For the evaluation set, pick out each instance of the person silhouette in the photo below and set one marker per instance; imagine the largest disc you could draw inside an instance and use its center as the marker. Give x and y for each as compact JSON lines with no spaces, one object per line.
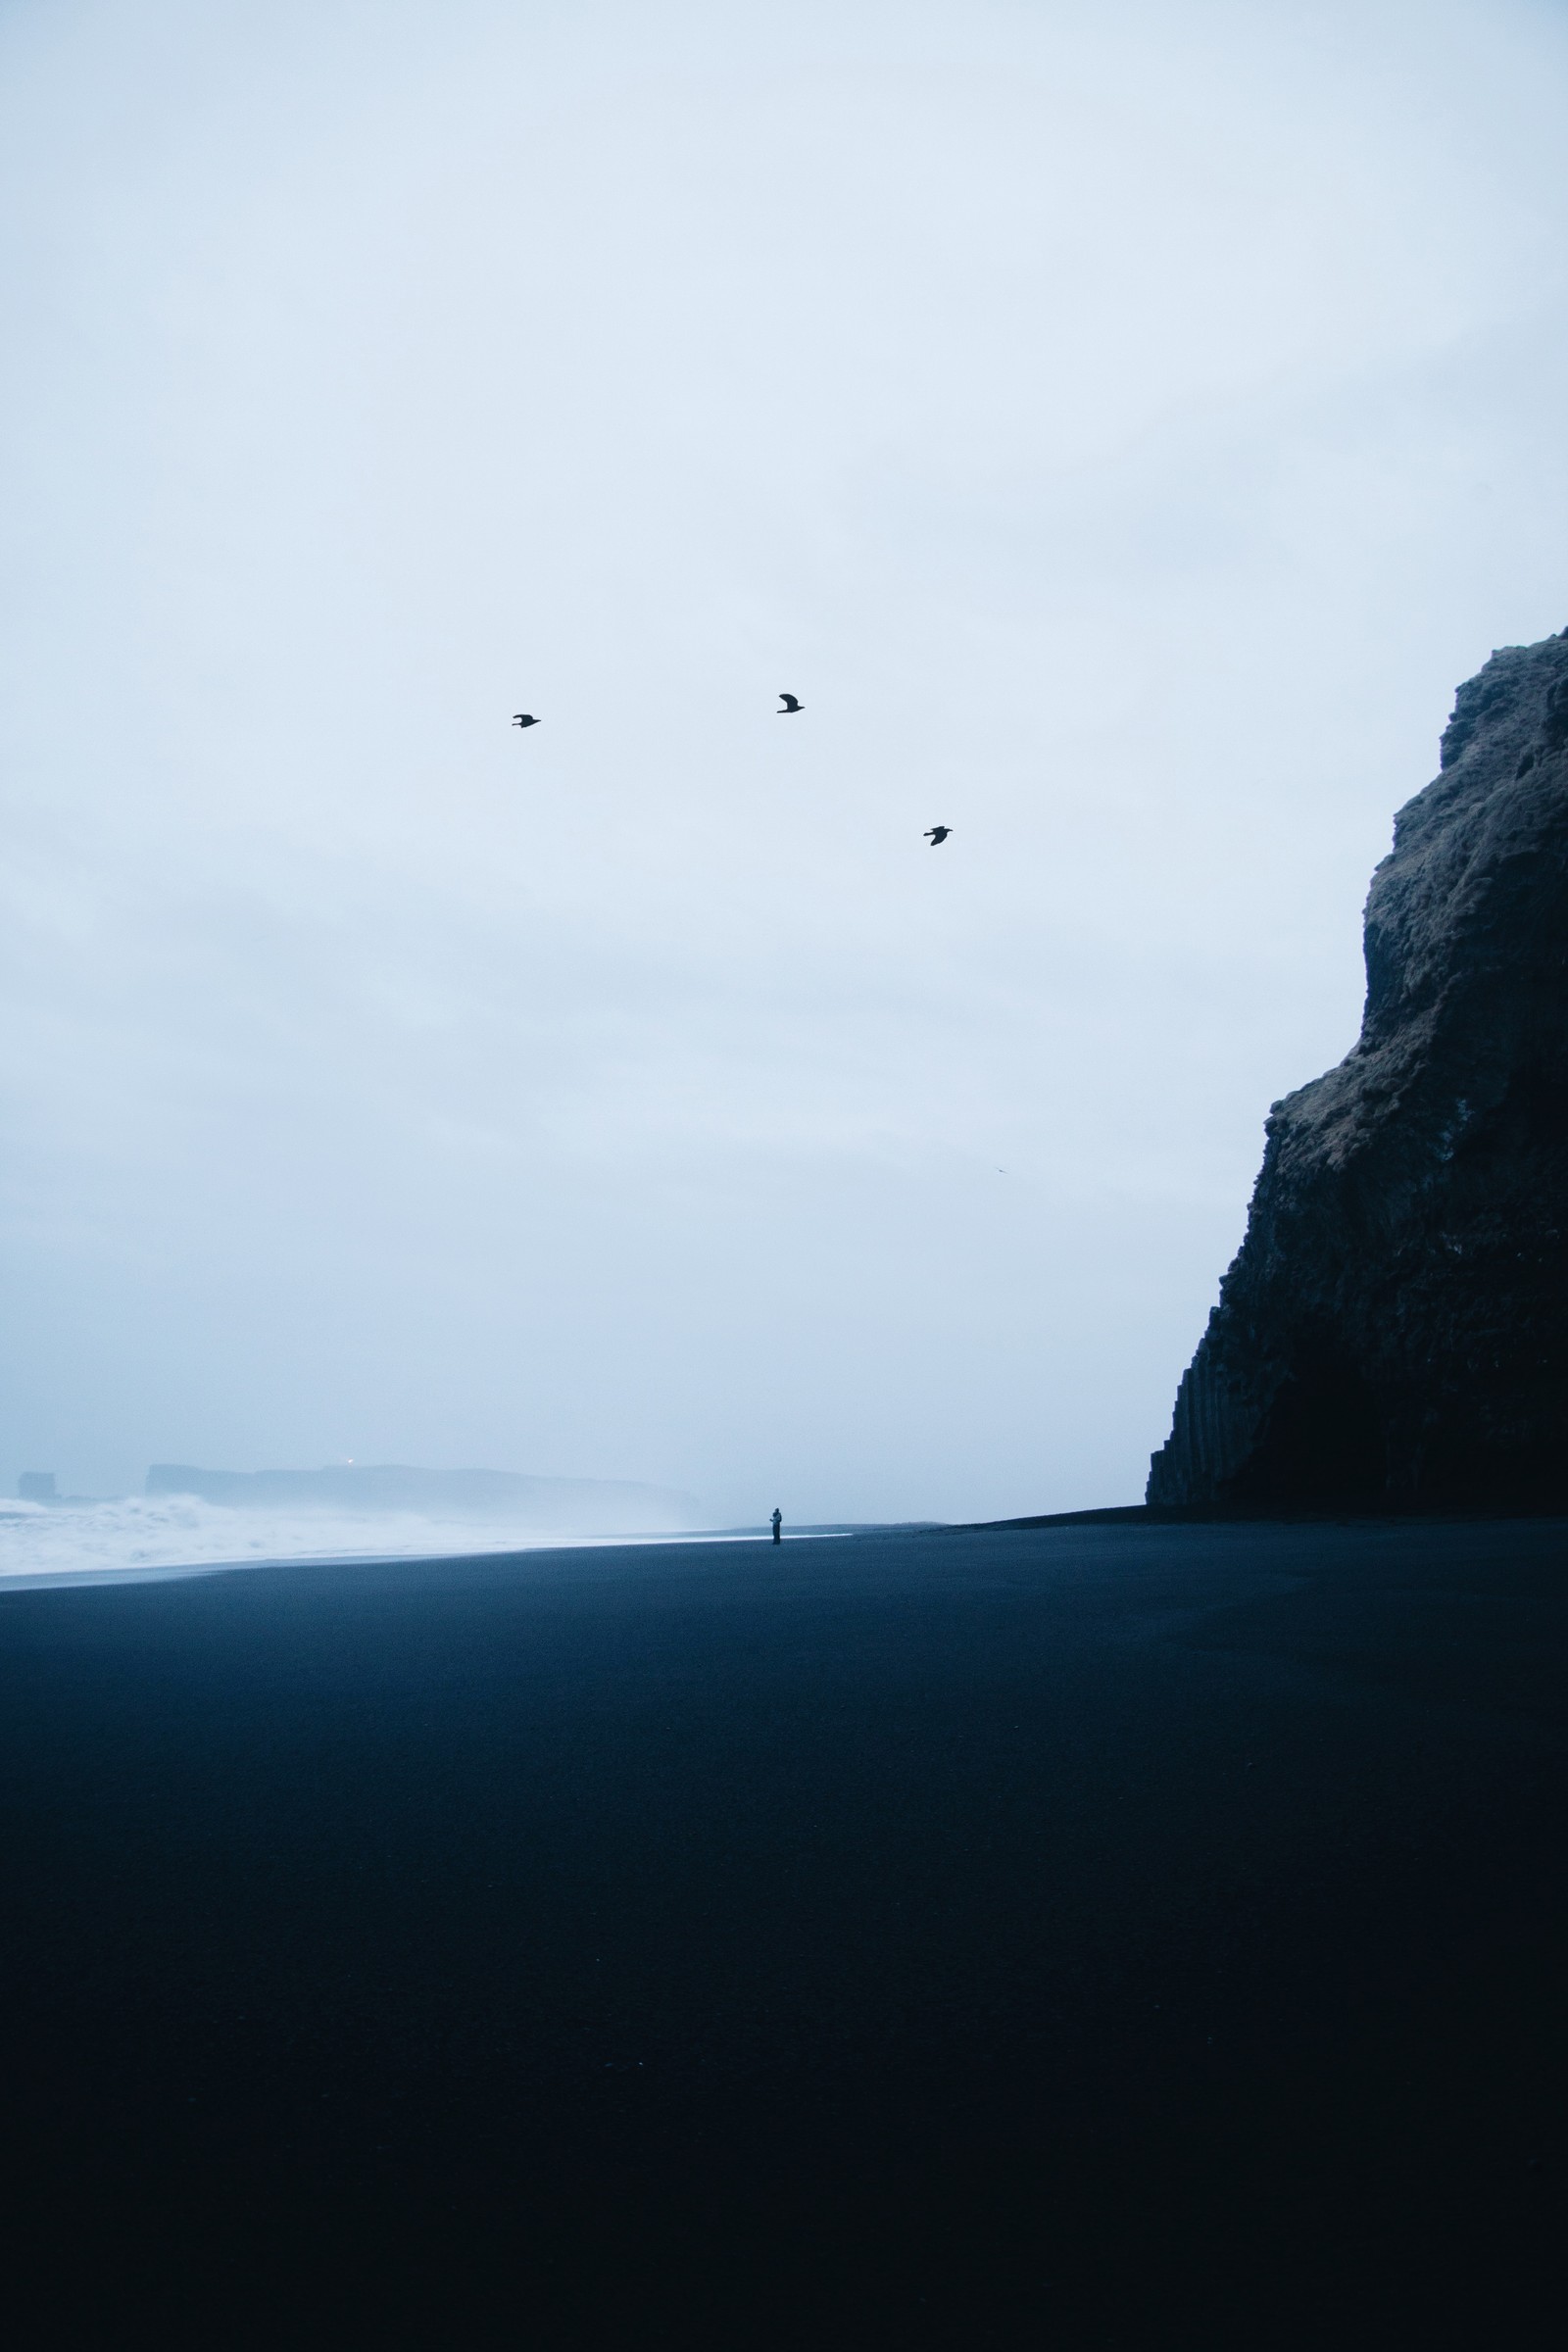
{"x":778,"y":1523}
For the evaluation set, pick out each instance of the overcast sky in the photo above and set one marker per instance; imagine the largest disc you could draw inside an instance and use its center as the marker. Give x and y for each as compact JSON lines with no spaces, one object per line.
{"x":1121,"y":426}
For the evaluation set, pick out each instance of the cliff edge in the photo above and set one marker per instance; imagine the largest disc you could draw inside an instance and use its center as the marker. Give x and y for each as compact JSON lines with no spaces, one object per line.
{"x":1393,"y":1331}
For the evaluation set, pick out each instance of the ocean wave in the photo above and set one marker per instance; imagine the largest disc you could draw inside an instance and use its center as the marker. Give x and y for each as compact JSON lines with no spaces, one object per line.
{"x":147,"y":1534}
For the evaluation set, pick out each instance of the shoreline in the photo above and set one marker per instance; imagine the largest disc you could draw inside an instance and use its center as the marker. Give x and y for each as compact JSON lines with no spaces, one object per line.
{"x":556,"y":1544}
{"x":548,"y":1544}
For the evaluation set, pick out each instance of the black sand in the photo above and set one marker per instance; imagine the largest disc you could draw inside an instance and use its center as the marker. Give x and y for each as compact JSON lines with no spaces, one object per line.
{"x":1098,"y":1935}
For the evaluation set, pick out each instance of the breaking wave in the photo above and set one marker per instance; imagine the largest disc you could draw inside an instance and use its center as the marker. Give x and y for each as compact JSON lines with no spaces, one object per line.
{"x":154,"y":1532}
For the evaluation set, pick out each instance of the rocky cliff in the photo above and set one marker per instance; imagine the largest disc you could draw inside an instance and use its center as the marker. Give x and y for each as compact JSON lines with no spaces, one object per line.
{"x":1393,"y":1331}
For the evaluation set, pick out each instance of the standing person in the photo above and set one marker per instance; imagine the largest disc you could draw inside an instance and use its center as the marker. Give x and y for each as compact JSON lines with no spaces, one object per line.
{"x":778,"y":1522}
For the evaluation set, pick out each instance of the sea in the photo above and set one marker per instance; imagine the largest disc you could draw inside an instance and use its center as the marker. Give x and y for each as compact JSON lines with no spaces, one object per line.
{"x":151,"y":1535}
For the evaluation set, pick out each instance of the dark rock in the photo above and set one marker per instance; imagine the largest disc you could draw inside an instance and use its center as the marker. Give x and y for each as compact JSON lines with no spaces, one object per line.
{"x":1393,"y":1329}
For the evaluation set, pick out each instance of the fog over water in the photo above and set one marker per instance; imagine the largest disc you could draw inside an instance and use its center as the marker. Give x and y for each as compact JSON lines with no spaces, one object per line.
{"x":1121,"y":426}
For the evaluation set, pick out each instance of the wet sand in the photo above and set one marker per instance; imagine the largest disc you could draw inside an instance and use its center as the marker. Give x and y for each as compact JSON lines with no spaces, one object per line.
{"x":1106,"y":1936}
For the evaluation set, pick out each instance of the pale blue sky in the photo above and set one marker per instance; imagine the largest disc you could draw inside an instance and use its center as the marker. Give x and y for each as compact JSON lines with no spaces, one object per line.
{"x":1122,"y":427}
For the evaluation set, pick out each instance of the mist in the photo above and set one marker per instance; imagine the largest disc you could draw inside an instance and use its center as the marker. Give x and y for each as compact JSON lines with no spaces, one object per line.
{"x":1122,"y":427}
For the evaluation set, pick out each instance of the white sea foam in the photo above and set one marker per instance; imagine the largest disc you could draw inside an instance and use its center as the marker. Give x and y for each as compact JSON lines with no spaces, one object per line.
{"x":146,"y":1534}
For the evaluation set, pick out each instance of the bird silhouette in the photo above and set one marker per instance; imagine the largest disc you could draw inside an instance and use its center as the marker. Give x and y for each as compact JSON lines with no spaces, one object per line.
{"x":937,"y":835}
{"x":790,"y":704}
{"x":525,"y":719}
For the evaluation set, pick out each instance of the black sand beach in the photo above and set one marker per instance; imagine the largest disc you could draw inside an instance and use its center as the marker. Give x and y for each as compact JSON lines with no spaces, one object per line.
{"x":1106,"y":1936}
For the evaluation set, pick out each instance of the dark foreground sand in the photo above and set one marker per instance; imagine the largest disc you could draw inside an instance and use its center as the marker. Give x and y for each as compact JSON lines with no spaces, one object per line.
{"x":1100,"y":1936}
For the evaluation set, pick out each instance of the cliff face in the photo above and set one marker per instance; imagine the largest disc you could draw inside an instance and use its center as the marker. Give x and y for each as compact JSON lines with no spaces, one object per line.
{"x":1393,"y":1329}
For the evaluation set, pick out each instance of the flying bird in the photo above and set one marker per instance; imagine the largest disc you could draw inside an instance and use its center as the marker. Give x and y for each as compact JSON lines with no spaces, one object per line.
{"x":788,"y":701}
{"x":525,"y":719}
{"x":937,"y":835}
